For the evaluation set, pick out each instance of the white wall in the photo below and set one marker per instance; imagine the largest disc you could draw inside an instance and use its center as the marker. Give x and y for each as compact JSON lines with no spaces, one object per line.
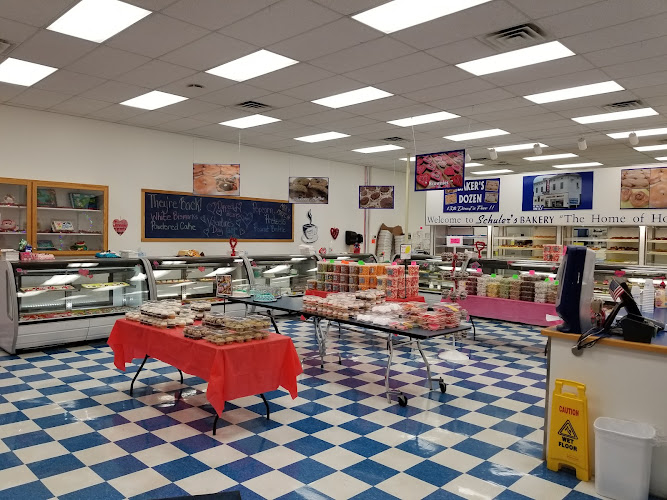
{"x":48,"y":146}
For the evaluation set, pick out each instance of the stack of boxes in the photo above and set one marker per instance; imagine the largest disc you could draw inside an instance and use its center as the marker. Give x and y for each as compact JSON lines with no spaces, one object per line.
{"x":401,"y":285}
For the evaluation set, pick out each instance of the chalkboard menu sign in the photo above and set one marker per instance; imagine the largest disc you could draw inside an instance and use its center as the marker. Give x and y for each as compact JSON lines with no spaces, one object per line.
{"x":168,"y":216}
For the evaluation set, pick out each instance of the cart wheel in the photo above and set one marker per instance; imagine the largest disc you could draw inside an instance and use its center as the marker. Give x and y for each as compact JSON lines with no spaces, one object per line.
{"x":402,"y":400}
{"x":443,"y":386}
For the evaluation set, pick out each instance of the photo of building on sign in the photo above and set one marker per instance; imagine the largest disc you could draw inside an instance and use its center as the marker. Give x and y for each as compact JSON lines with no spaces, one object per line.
{"x":557,"y":191}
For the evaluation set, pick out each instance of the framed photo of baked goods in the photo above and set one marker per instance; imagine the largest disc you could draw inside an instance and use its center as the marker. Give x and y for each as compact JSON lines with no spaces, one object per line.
{"x":376,"y":197}
{"x":562,"y":191}
{"x":313,"y":190}
{"x":644,"y":187}
{"x":216,"y":179}
{"x":437,"y":171}
{"x":479,"y":195}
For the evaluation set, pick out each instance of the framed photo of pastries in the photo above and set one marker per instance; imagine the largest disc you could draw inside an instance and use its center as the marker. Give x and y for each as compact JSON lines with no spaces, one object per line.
{"x":376,"y":197}
{"x":644,"y":188}
{"x":216,"y":179}
{"x":312,"y":190}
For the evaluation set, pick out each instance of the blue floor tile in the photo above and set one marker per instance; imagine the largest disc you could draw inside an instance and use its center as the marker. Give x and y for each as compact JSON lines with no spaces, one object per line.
{"x":181,"y":468}
{"x":307,"y":471}
{"x":122,"y":466}
{"x":244,"y":469}
{"x":477,"y":448}
{"x":365,"y":447}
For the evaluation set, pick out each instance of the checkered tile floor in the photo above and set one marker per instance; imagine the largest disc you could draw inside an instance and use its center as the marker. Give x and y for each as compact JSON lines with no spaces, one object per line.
{"x":69,"y":429}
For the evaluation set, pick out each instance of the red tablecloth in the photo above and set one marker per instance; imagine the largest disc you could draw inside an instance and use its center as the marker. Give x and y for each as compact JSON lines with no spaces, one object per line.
{"x":232,"y":371}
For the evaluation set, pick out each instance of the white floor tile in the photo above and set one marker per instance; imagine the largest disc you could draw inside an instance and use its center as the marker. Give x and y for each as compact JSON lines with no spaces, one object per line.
{"x":406,"y":487}
{"x":41,"y":452}
{"x":139,"y":482}
{"x":535,"y":487}
{"x":124,"y":431}
{"x":207,"y":482}
{"x":68,"y":482}
{"x":338,"y":458}
{"x":473,"y":488}
{"x":160,"y":454}
{"x":283,"y":435}
{"x":443,"y":437}
{"x":516,"y":461}
{"x":15,"y":476}
{"x":273,"y":484}
{"x":456,"y":460}
{"x":278,"y":457}
{"x":397,"y":459}
{"x":340,"y":486}
{"x":99,"y":454}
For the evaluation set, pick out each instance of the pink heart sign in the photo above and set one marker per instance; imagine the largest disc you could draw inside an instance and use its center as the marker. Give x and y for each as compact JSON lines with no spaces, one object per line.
{"x":119,"y":225}
{"x":201,"y":269}
{"x":84,"y":272}
{"x":334,"y":232}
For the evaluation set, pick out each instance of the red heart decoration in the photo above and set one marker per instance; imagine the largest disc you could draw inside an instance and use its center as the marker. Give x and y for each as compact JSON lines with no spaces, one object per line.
{"x":322,"y":251}
{"x":119,"y":225}
{"x":334,"y":232}
{"x":201,"y":269}
{"x":84,"y":272}
{"x":619,"y":273}
{"x":421,"y":168}
{"x":424,"y":179}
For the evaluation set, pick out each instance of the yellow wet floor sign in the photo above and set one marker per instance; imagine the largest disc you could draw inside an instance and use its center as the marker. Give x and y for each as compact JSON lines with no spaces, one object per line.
{"x":568,"y":430}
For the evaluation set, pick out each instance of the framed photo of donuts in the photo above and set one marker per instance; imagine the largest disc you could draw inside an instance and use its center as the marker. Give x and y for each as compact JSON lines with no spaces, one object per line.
{"x":376,"y":197}
{"x":437,"y":171}
{"x":644,"y":187}
{"x":311,"y":190}
{"x":216,"y":179}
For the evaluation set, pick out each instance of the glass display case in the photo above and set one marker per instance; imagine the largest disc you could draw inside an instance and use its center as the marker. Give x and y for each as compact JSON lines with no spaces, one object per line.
{"x":14,"y":214}
{"x":352,"y":257}
{"x":470,"y":235}
{"x":522,"y":242}
{"x":195,"y":278}
{"x":288,"y":272}
{"x":610,"y":243}
{"x":57,"y":301}
{"x":656,"y":246}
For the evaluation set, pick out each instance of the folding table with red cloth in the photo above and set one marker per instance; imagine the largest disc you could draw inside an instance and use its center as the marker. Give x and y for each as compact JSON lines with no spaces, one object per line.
{"x":232,"y":371}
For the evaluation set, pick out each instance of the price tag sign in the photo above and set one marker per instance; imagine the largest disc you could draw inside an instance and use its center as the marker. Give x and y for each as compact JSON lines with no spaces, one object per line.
{"x":531,"y":272}
{"x":454,"y":241}
{"x":406,"y":251}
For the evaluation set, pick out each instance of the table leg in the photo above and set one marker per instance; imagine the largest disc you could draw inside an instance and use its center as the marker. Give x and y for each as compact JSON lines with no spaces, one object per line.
{"x":215,"y":423}
{"x":181,"y":373}
{"x":273,"y":320}
{"x":137,"y":374}
{"x":402,"y":399}
{"x":430,"y":379}
{"x":268,"y":410}
{"x":474,"y":330}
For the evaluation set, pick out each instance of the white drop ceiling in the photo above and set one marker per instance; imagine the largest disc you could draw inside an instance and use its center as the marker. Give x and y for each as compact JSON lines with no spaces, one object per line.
{"x":620,"y":40}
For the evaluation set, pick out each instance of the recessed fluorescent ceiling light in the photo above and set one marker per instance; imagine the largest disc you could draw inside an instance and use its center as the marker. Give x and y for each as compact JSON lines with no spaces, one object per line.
{"x":253,"y":65}
{"x":97,"y":20}
{"x":154,"y":100}
{"x":518,"y":147}
{"x":657,"y":147}
{"x":490,"y":172}
{"x":378,"y":149}
{"x":575,"y":92}
{"x":618,"y":115}
{"x":352,"y":97}
{"x":551,"y":157}
{"x":516,"y":58}
{"x":400,"y":14}
{"x":640,"y":133}
{"x":473,"y":164}
{"x":326,"y":136}
{"x":419,"y":120}
{"x":412,"y":158}
{"x":23,"y":73}
{"x":476,"y":135}
{"x":578,"y":165}
{"x":250,"y":121}
{"x":661,"y":158}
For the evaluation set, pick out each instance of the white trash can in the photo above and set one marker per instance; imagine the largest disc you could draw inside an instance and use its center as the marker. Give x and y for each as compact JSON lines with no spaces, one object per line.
{"x":623,"y":452}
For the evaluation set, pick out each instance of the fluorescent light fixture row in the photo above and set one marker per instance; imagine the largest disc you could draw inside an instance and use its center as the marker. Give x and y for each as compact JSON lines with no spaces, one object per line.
{"x":551,"y":157}
{"x":326,"y":136}
{"x":250,"y":121}
{"x":400,"y":14}
{"x":491,"y":172}
{"x":518,"y":147}
{"x":420,"y":120}
{"x":24,"y":73}
{"x":358,"y":96}
{"x":251,"y":66}
{"x":575,"y":92}
{"x":656,"y":147}
{"x":640,"y":133}
{"x":661,"y":158}
{"x":378,"y":149}
{"x":474,"y":164}
{"x":579,"y":165}
{"x":469,"y":136}
{"x":618,"y":115}
{"x":98,"y":20}
{"x":154,"y":100}
{"x":412,"y":158}
{"x":517,"y":58}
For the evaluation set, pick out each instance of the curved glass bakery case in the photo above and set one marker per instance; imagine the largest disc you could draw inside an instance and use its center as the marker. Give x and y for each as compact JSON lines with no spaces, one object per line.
{"x":351,"y":257}
{"x":58,"y":301}
{"x":288,"y":272}
{"x":195,"y":278}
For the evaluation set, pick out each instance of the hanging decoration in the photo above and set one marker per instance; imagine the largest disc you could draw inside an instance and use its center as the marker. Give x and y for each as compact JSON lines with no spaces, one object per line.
{"x":119,"y":225}
{"x":232,"y":243}
{"x":334,"y":232}
{"x":309,"y":230}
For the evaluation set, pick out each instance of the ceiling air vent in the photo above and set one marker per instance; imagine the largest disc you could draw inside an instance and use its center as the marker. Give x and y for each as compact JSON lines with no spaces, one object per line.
{"x":393,"y":139}
{"x":623,"y":106}
{"x":515,"y":38}
{"x":4,"y":46}
{"x":253,"y":105}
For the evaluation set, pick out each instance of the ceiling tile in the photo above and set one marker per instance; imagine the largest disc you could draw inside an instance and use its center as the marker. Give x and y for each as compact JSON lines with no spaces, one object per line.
{"x":79,"y":106}
{"x":209,"y":52}
{"x":631,"y":52}
{"x":432,"y":78}
{"x":350,"y":7}
{"x":336,"y":84}
{"x":363,"y":55}
{"x":324,"y":40}
{"x":393,"y":102}
{"x":116,"y":113}
{"x":280,"y":21}
{"x":557,"y":82}
{"x":568,"y":65}
{"x":449,"y":90}
{"x":114,"y":92}
{"x":68,"y":82}
{"x":15,"y":32}
{"x":214,"y":14}
{"x":152,"y":5}
{"x":155,"y":74}
{"x":324,"y":118}
{"x":512,"y":103}
{"x":634,"y":68}
{"x":106,"y":62}
{"x":472,"y":99}
{"x":37,"y":98}
{"x":462,"y":51}
{"x":8,"y":91}
{"x":279,"y":100}
{"x":211,"y":83}
{"x":235,"y":94}
{"x":156,"y":35}
{"x":34,"y":12}
{"x":301,"y":109}
{"x":406,"y":112}
{"x":181,"y":125}
{"x":485,"y":18}
{"x":412,"y":64}
{"x":216,"y":115}
{"x":190,"y":107}
{"x":53,"y":49}
{"x":598,"y":101}
{"x":298,"y":74}
{"x":150,"y":119}
{"x":537,"y":10}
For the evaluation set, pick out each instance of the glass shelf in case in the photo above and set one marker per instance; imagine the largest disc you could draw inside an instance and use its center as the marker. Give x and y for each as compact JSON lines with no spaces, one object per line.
{"x":612,"y":244}
{"x":194,"y":278}
{"x":656,"y":246}
{"x":14,"y":217}
{"x":283,"y":271}
{"x":524,"y":242}
{"x":470,"y":235}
